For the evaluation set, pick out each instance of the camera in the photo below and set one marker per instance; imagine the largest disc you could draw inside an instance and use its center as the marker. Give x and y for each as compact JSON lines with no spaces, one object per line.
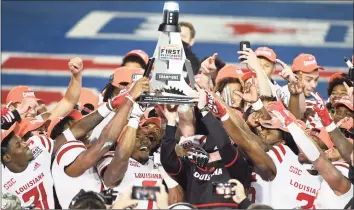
{"x":109,"y":195}
{"x":220,"y":188}
{"x":145,"y":193}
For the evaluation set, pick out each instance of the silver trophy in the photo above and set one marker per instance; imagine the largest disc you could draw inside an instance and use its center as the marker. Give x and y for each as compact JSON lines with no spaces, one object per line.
{"x":167,"y":84}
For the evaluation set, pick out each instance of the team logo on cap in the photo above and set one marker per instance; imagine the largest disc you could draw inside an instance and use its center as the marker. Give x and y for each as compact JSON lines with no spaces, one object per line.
{"x":27,"y":94}
{"x":310,"y":62}
{"x":170,"y":52}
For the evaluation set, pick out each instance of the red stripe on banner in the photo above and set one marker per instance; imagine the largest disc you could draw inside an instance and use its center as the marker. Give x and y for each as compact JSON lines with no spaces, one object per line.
{"x":47,"y":97}
{"x":60,"y":64}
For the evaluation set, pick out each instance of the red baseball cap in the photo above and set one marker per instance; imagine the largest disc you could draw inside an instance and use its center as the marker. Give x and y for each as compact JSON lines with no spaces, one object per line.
{"x":75,"y":114}
{"x":323,"y":135}
{"x":267,"y":53}
{"x":139,"y":53}
{"x":343,"y":101}
{"x":126,"y":74}
{"x":30,"y":124}
{"x":248,"y":75}
{"x":88,"y":97}
{"x":229,"y":70}
{"x":5,"y":133}
{"x":305,"y":63}
{"x":335,"y":76}
{"x":18,"y":93}
{"x":154,"y":120}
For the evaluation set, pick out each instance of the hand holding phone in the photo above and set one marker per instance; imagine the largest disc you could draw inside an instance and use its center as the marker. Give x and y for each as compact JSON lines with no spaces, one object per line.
{"x":145,"y":193}
{"x":243,"y":45}
{"x":220,"y":188}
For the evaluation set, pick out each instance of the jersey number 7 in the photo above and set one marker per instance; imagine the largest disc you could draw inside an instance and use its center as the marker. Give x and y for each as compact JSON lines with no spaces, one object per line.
{"x":149,"y":184}
{"x":36,"y":196}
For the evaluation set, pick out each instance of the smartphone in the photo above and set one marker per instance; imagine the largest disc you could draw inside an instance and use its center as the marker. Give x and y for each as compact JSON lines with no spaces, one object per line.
{"x":243,"y":45}
{"x":145,"y":193}
{"x":220,"y":188}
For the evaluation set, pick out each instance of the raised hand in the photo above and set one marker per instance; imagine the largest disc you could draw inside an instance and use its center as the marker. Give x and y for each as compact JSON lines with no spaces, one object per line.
{"x":295,"y":87}
{"x":170,"y":113}
{"x":321,"y":110}
{"x":202,"y":99}
{"x":215,"y":106}
{"x":139,"y":87}
{"x":251,"y":59}
{"x":27,"y":105}
{"x":287,"y":74}
{"x":239,"y":190}
{"x":250,"y":93}
{"x":75,"y":65}
{"x":208,"y":66}
{"x":279,"y":111}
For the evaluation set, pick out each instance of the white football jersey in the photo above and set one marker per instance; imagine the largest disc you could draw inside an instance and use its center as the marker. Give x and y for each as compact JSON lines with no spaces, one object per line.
{"x":326,"y":198}
{"x":35,"y":184}
{"x":293,"y":186}
{"x":67,"y":187}
{"x":136,"y":175}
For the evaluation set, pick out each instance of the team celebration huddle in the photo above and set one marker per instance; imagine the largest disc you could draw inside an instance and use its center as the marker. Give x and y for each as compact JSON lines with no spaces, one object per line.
{"x":169,"y":131}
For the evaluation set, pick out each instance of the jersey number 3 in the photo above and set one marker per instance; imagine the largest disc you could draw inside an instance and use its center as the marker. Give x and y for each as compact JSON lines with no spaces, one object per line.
{"x":149,"y":184}
{"x":37,"y":196}
{"x":306,"y":197}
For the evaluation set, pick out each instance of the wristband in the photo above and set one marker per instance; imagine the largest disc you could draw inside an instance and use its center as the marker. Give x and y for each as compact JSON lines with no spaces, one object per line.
{"x":103,"y":110}
{"x":331,"y":127}
{"x":257,"y":105}
{"x":168,"y":180}
{"x":225,"y":117}
{"x":69,"y":135}
{"x":128,"y":96}
{"x":110,"y":104}
{"x":133,"y":122}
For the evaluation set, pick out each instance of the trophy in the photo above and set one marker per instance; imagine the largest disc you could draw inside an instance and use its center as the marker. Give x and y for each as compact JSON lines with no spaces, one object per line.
{"x":167,"y":84}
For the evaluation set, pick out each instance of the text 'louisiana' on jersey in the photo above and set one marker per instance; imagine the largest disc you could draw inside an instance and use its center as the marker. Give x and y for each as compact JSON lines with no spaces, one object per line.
{"x":35,"y":184}
{"x":137,"y":174}
{"x":293,"y":186}
{"x":67,"y":187}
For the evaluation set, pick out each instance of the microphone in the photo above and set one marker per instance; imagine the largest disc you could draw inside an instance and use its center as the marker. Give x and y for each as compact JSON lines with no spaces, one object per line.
{"x":351,"y":68}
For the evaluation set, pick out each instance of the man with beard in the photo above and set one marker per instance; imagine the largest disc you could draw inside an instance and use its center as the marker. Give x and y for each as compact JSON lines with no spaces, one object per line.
{"x":275,"y":163}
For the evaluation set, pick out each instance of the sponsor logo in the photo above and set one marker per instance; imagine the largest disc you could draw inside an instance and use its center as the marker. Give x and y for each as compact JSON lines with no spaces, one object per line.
{"x":134,"y":163}
{"x":36,"y":165}
{"x":36,"y":151}
{"x":168,"y":77}
{"x":170,"y":52}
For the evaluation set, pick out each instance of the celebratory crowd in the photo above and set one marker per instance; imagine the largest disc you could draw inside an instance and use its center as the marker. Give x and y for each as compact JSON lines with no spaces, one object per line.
{"x":243,"y":142}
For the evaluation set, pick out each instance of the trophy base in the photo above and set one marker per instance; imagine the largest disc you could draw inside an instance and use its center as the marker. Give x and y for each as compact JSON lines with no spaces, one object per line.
{"x":171,"y":99}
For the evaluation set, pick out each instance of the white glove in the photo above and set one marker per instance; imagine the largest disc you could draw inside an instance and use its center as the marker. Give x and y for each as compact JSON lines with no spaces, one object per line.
{"x":157,"y":159}
{"x":137,"y":111}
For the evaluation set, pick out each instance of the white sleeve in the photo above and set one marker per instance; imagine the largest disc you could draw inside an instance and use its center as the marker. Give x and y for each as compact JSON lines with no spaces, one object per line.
{"x":99,"y":128}
{"x":68,"y":152}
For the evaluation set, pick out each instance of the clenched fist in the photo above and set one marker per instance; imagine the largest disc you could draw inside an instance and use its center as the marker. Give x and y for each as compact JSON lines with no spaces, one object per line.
{"x":75,"y":65}
{"x":139,"y":87}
